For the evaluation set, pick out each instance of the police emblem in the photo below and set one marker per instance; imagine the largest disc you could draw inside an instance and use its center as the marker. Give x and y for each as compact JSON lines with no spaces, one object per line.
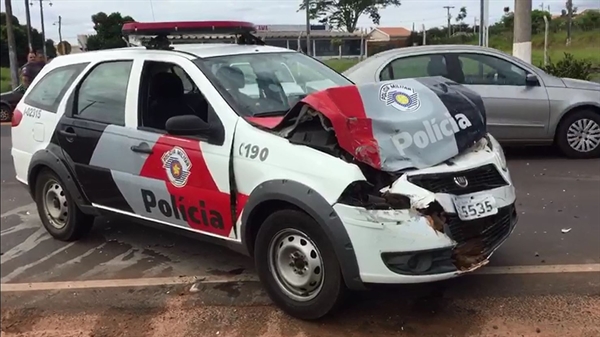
{"x":177,"y":165}
{"x":400,"y":97}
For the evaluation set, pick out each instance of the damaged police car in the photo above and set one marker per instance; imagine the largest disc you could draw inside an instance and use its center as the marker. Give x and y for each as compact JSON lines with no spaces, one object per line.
{"x":329,"y":186}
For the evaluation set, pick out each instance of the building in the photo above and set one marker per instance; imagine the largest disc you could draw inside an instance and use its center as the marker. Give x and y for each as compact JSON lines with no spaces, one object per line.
{"x":326,"y":43}
{"x":384,"y":38}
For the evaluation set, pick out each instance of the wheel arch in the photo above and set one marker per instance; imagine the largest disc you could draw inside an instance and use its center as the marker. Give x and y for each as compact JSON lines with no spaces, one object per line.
{"x":574,"y":109}
{"x":47,"y":159}
{"x":285,"y":194}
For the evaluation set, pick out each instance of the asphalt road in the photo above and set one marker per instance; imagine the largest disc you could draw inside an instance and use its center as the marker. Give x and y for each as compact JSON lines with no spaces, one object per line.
{"x":554,"y":193}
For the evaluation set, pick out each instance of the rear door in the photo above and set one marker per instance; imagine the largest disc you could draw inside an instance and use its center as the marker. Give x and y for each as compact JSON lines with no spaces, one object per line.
{"x":93,"y":134}
{"x":514,"y":110}
{"x":40,"y":110}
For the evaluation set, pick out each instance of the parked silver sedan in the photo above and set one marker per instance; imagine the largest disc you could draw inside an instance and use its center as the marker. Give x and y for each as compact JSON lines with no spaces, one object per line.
{"x":524,"y":104}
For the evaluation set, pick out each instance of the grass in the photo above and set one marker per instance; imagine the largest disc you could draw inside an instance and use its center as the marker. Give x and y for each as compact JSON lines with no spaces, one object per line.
{"x":5,"y":80}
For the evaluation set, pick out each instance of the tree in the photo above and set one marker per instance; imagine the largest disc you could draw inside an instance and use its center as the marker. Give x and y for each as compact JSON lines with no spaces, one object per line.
{"x":537,"y":21}
{"x":462,"y":14}
{"x":108,"y":31}
{"x":22,"y":48}
{"x":344,"y":14}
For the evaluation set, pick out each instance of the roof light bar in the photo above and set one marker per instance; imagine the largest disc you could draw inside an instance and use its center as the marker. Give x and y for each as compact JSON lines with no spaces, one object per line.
{"x":159,"y":31}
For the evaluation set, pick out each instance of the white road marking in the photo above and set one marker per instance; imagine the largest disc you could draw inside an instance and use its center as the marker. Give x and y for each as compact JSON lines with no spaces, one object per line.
{"x":163,"y":281}
{"x":29,"y":207}
{"x":122,"y":283}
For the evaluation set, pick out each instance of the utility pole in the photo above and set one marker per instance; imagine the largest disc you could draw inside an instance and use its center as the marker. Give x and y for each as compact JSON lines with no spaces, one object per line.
{"x":481,"y":20}
{"x":59,"y":29}
{"x":448,"y":8}
{"x":12,"y":55}
{"x":43,"y":31}
{"x":308,"y":49}
{"x":522,"y":30}
{"x":28,"y":19}
{"x":570,"y":20}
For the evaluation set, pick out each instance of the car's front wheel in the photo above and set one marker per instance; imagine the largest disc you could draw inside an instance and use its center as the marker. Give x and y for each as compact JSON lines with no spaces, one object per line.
{"x":298,"y":266}
{"x":59,"y":214}
{"x":4,"y":113}
{"x":578,"y":135}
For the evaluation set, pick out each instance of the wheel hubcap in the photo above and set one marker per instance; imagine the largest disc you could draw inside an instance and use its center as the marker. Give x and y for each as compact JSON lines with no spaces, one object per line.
{"x":55,"y":204}
{"x":584,"y":135}
{"x":295,"y":263}
{"x":4,"y":117}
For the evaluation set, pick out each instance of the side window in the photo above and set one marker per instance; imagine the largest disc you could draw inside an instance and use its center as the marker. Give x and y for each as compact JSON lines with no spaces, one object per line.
{"x":415,"y":66}
{"x":167,"y":91}
{"x":188,"y":86}
{"x":485,"y":69}
{"x":49,"y":91}
{"x":102,"y":94}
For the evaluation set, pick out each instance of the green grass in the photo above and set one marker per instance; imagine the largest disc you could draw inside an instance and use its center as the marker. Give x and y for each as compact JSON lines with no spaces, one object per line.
{"x":5,"y":80}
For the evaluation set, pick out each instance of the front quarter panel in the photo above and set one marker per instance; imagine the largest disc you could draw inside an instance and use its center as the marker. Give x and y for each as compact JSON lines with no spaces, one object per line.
{"x":563,"y":100}
{"x":261,"y":156}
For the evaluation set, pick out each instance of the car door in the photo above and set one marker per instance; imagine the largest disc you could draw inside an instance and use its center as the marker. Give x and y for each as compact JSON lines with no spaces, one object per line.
{"x":92,"y":132}
{"x":180,"y":181}
{"x":515,"y":109}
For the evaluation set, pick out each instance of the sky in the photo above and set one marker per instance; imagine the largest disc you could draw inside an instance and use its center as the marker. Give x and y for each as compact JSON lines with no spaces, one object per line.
{"x":76,"y":14}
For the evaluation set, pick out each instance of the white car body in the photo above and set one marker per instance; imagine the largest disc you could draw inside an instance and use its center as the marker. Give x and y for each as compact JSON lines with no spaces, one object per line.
{"x":312,"y":180}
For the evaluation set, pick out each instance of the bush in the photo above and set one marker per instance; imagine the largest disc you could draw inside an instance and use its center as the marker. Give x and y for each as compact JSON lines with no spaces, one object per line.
{"x":570,"y":67}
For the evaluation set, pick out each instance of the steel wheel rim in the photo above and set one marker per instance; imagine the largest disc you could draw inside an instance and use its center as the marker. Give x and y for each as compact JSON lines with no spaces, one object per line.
{"x":583,"y":135}
{"x":296,"y":265}
{"x":55,"y":204}
{"x":4,"y":115}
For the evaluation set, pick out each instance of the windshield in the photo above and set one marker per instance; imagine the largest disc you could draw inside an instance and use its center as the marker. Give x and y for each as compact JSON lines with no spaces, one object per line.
{"x":269,"y":84}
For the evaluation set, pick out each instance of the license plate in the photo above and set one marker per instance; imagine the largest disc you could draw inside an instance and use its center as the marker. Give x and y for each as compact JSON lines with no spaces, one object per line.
{"x":475,"y":207}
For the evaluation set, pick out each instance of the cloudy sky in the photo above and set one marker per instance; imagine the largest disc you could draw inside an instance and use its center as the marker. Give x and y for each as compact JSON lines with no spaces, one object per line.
{"x":76,"y":13}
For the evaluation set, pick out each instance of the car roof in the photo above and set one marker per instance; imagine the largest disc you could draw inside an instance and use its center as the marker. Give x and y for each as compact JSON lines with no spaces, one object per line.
{"x":190,"y":51}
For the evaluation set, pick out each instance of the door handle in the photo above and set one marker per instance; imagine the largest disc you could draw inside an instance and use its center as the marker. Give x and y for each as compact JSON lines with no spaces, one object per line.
{"x":69,"y":133}
{"x":141,"y":148}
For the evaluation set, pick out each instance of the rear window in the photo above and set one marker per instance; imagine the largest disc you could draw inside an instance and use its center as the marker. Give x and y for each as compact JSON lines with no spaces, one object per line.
{"x":47,"y":93}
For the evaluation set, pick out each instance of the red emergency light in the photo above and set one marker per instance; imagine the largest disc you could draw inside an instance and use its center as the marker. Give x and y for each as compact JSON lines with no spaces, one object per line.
{"x":243,"y":31}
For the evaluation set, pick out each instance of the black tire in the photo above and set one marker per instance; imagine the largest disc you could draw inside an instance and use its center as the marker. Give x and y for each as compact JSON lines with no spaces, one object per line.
{"x":76,"y":224}
{"x":333,"y":290}
{"x":5,"y":115}
{"x":563,"y":128}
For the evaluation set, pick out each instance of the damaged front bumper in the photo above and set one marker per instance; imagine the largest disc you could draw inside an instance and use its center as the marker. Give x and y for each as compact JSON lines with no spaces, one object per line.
{"x":428,"y":241}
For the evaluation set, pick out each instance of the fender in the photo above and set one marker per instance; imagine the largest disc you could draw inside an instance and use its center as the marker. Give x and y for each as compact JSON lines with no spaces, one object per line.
{"x":311,"y":202}
{"x":53,"y":158}
{"x":570,"y":108}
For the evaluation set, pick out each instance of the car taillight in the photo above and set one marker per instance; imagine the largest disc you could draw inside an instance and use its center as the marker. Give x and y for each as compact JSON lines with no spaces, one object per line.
{"x":16,"y":118}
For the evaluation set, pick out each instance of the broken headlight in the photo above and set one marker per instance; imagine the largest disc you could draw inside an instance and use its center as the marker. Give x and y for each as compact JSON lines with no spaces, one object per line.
{"x":497,"y":149}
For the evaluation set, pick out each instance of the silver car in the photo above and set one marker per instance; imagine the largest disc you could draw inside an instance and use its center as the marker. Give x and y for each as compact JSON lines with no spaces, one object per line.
{"x":524,"y":104}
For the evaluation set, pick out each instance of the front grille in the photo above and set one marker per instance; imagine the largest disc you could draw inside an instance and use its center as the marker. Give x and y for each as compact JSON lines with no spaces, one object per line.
{"x":479,"y":179}
{"x":490,"y":230}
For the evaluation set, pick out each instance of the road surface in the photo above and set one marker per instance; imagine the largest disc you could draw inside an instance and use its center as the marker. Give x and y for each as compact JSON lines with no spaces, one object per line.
{"x":130,"y":280}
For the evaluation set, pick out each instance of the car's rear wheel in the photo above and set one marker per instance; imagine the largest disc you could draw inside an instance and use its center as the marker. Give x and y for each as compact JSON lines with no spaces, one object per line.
{"x":59,"y":214}
{"x":298,"y":266}
{"x":578,"y":135}
{"x":4,"y":113}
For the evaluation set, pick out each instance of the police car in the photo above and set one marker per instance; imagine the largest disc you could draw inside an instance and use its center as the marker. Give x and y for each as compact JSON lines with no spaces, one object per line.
{"x":329,"y":186}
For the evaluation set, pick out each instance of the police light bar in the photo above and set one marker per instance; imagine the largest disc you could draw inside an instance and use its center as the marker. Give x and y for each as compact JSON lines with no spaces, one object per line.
{"x":188,"y":27}
{"x":159,"y":31}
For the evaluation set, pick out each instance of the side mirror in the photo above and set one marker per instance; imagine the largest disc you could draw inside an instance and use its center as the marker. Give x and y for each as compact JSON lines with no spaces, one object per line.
{"x":532,"y":80}
{"x":187,"y":125}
